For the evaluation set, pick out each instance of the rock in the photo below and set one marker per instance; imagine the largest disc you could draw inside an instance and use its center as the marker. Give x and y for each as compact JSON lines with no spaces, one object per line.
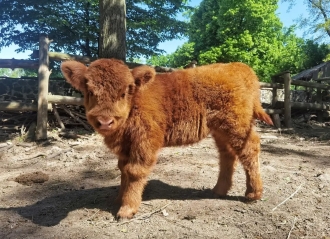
{"x":324,"y":177}
{"x":270,"y":168}
{"x":268,"y":137}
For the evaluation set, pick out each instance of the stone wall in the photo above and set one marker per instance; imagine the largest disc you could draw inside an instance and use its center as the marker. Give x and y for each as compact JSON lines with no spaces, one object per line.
{"x":296,"y":96}
{"x":26,"y":90}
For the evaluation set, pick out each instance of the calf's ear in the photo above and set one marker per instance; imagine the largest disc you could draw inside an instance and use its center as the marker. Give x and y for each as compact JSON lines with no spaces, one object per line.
{"x":143,"y":74}
{"x":74,"y":72}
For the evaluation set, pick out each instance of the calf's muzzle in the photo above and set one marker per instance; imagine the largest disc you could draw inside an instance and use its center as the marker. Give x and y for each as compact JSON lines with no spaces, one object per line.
{"x":105,"y":123}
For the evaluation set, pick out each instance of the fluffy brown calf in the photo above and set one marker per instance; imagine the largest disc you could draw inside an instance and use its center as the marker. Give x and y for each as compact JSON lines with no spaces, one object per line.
{"x":139,"y":112}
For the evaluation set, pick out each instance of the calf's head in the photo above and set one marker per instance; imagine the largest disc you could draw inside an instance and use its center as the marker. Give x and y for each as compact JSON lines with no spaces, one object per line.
{"x":108,"y":87}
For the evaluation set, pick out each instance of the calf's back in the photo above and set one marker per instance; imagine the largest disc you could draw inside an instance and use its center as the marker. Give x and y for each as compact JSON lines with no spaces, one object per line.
{"x":189,"y":103}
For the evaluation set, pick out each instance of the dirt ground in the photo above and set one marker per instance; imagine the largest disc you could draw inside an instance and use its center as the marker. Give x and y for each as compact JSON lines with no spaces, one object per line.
{"x":65,"y":188}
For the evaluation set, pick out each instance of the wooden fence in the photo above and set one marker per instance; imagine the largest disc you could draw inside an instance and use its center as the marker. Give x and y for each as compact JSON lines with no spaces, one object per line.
{"x":279,"y":81}
{"x":283,"y":81}
{"x":44,"y":100}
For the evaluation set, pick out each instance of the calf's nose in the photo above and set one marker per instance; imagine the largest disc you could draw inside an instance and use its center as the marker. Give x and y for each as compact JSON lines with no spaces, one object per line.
{"x":105,"y":123}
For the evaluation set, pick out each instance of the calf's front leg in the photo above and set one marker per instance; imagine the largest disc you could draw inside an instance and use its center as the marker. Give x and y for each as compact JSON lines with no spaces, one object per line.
{"x":133,"y":180}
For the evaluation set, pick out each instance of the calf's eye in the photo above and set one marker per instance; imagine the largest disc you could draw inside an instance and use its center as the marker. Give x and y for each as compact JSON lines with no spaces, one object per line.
{"x":90,"y":93}
{"x":123,"y":95}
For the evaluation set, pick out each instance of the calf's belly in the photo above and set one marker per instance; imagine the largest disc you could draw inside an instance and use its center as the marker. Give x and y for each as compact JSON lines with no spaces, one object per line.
{"x":186,"y":132}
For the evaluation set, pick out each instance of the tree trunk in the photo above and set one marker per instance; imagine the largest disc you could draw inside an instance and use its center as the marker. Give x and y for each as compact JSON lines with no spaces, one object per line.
{"x":112,"y":42}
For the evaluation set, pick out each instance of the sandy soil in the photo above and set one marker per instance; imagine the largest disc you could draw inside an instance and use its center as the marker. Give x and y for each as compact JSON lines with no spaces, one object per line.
{"x":65,"y":188}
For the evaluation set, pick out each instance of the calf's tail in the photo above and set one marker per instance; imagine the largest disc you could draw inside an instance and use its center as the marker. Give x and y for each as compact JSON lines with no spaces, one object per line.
{"x":260,"y":114}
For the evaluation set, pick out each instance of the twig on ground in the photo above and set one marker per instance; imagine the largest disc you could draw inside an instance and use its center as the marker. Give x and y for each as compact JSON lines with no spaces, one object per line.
{"x":177,"y":223}
{"x":76,"y":118}
{"x":71,"y":135}
{"x":28,"y":149}
{"x":49,"y":156}
{"x":45,"y":143}
{"x":293,"y":223}
{"x":25,"y":145}
{"x":80,"y":115}
{"x":146,"y":215}
{"x":36,"y":155}
{"x":288,"y":197}
{"x":58,"y":153}
{"x":91,"y":217}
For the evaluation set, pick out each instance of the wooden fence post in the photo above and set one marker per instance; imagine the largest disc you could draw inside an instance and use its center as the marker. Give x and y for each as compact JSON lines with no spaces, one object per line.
{"x":319,"y":113}
{"x":287,"y":100}
{"x":43,"y":78}
{"x":275,"y":117}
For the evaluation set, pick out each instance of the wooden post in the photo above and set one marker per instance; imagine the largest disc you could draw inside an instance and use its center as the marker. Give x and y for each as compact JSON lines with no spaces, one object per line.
{"x":43,"y":77}
{"x":319,"y":113}
{"x":287,"y":100}
{"x":275,"y":117}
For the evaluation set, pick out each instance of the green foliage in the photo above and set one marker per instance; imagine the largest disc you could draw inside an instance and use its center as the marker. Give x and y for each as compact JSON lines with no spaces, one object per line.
{"x":72,"y":25}
{"x":17,"y":73}
{"x":183,"y":55}
{"x":159,"y":60}
{"x":247,"y":31}
{"x":180,"y":58}
{"x":291,"y":52}
{"x":299,"y":54}
{"x":314,"y":53}
{"x":74,"y":28}
{"x":150,"y":22}
{"x":238,"y":30}
{"x":204,"y":25}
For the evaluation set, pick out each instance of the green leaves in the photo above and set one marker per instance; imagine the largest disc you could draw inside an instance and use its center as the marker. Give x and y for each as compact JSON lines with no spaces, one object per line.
{"x":180,"y":58}
{"x":238,"y":30}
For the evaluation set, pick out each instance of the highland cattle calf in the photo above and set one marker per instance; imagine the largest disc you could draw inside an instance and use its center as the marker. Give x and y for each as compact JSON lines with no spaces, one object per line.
{"x":138,"y":112}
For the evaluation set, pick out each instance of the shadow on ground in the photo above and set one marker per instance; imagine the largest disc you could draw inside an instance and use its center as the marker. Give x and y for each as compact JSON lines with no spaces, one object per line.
{"x":314,"y":155}
{"x":51,"y":210}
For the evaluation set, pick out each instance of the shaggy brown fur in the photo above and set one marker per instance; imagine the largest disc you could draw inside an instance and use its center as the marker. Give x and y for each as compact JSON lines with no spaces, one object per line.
{"x":140,"y":112}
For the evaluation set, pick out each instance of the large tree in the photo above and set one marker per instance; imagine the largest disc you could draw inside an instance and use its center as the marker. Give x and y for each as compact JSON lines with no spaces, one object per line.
{"x":241,"y":30}
{"x":74,"y":24}
{"x":112,"y":42}
{"x":317,"y":22}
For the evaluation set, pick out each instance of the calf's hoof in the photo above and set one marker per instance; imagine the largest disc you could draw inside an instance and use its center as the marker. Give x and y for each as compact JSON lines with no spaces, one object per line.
{"x":126,"y":212}
{"x":219,"y":192}
{"x":252,"y":196}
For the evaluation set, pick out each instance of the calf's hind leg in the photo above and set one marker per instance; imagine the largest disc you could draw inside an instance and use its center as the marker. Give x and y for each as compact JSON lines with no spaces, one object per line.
{"x":246,"y":148}
{"x":249,"y":157}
